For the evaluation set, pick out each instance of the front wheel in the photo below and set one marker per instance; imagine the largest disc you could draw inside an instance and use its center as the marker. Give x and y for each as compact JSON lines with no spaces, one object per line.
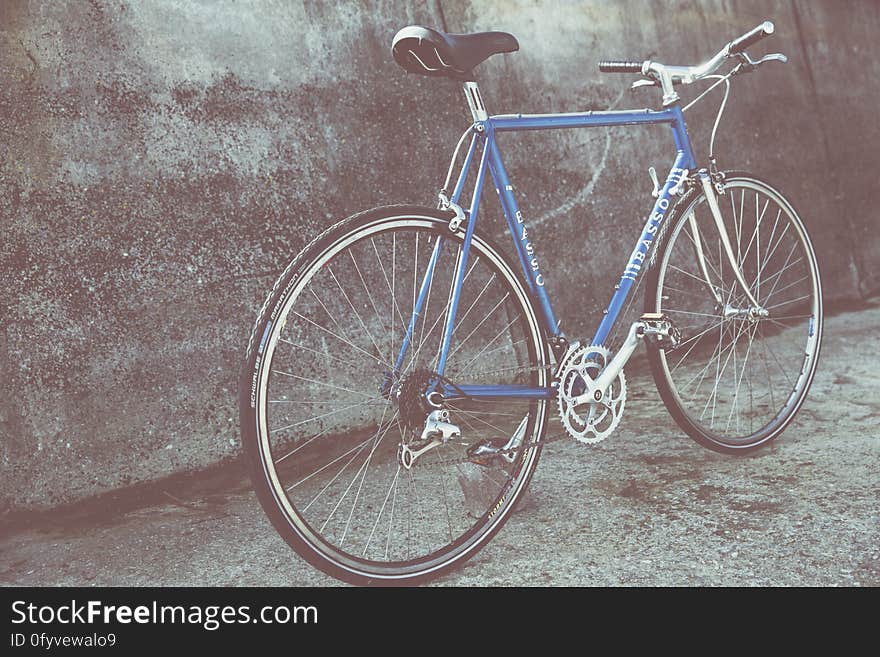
{"x":739,"y":374}
{"x":332,"y":398}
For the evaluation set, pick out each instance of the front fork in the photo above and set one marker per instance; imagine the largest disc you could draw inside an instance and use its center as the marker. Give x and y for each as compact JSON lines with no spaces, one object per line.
{"x":711,"y":199}
{"x":651,"y":325}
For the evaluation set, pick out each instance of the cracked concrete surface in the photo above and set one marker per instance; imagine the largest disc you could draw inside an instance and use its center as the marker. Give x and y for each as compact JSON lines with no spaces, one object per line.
{"x":646,"y":507}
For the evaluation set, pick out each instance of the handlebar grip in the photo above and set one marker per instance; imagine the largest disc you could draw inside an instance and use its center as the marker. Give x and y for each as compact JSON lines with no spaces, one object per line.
{"x":763,"y":30}
{"x":620,"y":67}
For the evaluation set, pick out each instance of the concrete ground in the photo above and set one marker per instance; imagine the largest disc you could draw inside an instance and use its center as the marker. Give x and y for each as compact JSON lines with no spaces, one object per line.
{"x":646,"y":507}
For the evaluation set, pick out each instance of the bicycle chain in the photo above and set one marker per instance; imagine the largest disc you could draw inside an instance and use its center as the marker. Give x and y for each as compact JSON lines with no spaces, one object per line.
{"x":512,"y":450}
{"x":526,"y":369}
{"x":500,"y":452}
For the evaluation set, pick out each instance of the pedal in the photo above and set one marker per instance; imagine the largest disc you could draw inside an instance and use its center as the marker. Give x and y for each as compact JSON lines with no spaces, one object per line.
{"x":485,"y":451}
{"x":660,"y":331}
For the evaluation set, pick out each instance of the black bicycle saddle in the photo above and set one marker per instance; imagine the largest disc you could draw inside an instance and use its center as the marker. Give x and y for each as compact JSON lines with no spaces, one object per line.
{"x":430,"y":52}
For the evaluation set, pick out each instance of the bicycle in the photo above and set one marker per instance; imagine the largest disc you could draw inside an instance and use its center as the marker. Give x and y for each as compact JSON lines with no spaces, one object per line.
{"x":390,"y":439}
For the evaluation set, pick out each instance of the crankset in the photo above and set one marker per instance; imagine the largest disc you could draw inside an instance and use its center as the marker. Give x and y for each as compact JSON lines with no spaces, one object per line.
{"x":588,"y":413}
{"x":591,"y":392}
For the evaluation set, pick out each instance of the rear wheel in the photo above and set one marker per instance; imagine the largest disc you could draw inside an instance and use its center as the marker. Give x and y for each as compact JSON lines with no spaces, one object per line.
{"x":737,"y":378}
{"x":327,"y":402}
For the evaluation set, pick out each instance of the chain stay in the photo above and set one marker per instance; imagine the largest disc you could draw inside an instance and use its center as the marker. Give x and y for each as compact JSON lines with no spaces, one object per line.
{"x":500,"y":452}
{"x":529,"y":445}
{"x":511,"y":450}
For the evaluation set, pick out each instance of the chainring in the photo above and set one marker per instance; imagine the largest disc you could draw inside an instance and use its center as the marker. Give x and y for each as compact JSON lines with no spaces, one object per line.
{"x":589,"y":422}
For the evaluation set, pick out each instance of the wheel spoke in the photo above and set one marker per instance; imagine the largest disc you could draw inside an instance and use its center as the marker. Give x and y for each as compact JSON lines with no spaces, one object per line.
{"x":785,"y":303}
{"x":390,"y":285}
{"x":381,"y":511}
{"x":744,"y":403}
{"x":356,"y":314}
{"x":482,"y":351}
{"x":786,"y":287}
{"x":329,"y":332}
{"x":739,"y":382}
{"x":691,"y":348}
{"x":319,"y":417}
{"x":334,"y":458}
{"x":476,"y":328}
{"x":322,"y":383}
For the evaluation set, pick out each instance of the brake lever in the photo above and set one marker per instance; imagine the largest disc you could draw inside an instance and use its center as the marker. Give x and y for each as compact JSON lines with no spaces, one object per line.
{"x":750,"y":64}
{"x":774,"y":57}
{"x":643,"y":83}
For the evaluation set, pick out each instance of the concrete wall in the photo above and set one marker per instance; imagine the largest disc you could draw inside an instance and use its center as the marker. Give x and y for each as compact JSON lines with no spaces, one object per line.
{"x":161,"y":161}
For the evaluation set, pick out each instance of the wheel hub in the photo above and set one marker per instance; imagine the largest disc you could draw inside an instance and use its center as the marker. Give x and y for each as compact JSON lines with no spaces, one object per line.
{"x":412,"y":398}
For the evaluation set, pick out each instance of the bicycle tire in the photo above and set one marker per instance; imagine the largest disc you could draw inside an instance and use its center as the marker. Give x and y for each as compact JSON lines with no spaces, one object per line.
{"x":290,"y":520}
{"x":679,"y":239}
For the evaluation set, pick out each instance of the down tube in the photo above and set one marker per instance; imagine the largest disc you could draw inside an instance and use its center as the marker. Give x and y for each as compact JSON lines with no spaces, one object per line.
{"x":640,"y":252}
{"x":528,"y":259}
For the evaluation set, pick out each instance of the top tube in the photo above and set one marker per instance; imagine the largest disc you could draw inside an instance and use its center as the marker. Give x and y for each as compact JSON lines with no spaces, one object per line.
{"x":605,"y":118}
{"x":591,"y":118}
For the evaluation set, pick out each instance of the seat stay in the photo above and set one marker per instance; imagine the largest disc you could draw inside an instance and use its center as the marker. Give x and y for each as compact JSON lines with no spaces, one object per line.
{"x":465,"y":169}
{"x":418,"y":306}
{"x":461,"y":265}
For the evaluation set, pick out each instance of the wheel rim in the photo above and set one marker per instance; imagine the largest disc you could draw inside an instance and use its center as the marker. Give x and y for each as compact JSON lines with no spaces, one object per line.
{"x":739,"y":378}
{"x":334,"y":471}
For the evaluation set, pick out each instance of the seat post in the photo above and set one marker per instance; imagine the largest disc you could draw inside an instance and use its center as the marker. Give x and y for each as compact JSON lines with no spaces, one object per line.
{"x":475,"y":101}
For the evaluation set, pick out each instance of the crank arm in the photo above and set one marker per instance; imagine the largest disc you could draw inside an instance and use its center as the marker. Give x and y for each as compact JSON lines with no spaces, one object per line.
{"x":649,"y":325}
{"x":507,"y":452}
{"x":597,"y":387}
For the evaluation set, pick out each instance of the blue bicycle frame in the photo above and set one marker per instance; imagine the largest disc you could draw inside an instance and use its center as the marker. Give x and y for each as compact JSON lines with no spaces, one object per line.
{"x":484,"y":130}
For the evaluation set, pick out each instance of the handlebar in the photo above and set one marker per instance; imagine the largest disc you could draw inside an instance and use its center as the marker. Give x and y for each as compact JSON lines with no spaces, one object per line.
{"x":763,"y":30}
{"x":668,"y":75}
{"x":620,"y":67}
